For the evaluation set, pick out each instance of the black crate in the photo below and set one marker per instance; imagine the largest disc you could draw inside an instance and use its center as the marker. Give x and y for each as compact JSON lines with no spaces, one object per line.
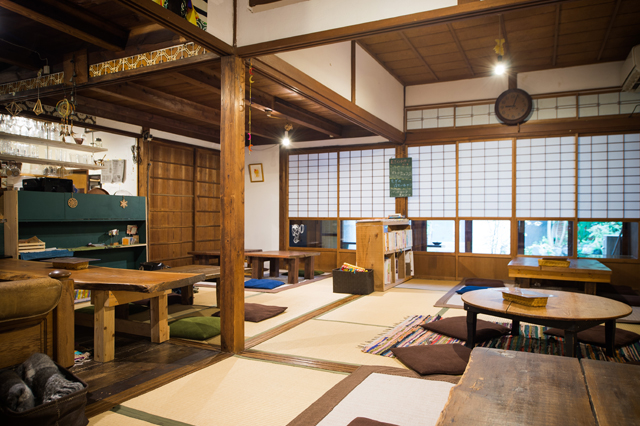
{"x":66,"y":411}
{"x":353,"y":282}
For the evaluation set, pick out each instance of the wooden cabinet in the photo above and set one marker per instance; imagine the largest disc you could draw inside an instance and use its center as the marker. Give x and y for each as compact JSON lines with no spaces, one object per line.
{"x":384,"y":245}
{"x":47,"y":215}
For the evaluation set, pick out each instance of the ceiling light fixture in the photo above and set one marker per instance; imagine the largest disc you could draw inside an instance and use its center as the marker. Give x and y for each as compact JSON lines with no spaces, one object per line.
{"x":286,"y":141}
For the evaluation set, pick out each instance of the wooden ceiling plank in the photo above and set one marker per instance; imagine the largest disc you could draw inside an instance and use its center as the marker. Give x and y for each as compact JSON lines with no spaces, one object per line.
{"x":556,"y":34}
{"x":401,"y":23}
{"x":460,"y":49}
{"x":72,"y":20}
{"x":142,"y":118}
{"x":420,"y":57}
{"x":19,"y":56}
{"x":200,"y":80}
{"x":170,"y":20}
{"x":379,"y":61}
{"x":614,"y":15}
{"x":157,"y":99}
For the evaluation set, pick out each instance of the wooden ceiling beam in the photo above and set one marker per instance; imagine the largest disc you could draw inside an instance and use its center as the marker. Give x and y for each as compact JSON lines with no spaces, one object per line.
{"x":19,"y":56}
{"x":460,"y":49}
{"x":556,"y":35}
{"x":145,"y":119}
{"x":175,"y":23}
{"x":200,"y":79}
{"x":400,"y":23}
{"x":417,"y":53}
{"x":614,"y":15}
{"x":71,"y":19}
{"x":293,"y":79}
{"x":156,"y":99}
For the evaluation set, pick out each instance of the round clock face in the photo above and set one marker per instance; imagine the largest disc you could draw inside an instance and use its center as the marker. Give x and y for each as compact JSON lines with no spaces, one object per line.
{"x":513,"y":106}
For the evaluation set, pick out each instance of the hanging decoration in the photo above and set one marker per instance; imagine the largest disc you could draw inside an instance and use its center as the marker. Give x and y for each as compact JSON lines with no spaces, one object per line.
{"x":124,"y":203}
{"x":72,"y":202}
{"x":67,"y":108}
{"x":13,"y":108}
{"x":37,"y":109}
{"x":250,"y":103}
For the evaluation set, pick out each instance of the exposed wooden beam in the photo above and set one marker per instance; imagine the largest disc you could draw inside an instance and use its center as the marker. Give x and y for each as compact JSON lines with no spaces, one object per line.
{"x":232,"y":137}
{"x":614,"y":15}
{"x":160,"y":100}
{"x":556,"y":35}
{"x":353,"y":71}
{"x":415,"y":52}
{"x":290,"y":77}
{"x":199,"y":79}
{"x":143,"y":118}
{"x":71,"y":19}
{"x":19,"y":56}
{"x":460,"y":49}
{"x":400,"y":23}
{"x":170,"y":20}
{"x":382,"y":64}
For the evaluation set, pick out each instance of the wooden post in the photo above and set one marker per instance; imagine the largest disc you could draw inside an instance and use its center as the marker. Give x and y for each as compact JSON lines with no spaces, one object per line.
{"x":232,"y":204}
{"x":402,"y":204}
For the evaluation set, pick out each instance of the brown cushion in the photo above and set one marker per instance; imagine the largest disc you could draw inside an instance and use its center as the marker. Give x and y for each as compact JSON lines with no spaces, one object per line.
{"x":363,"y":421}
{"x":629,"y":299}
{"x":256,"y":312}
{"x":24,"y":299}
{"x":457,"y":327}
{"x":595,"y":336}
{"x":434,"y":359}
{"x":482,"y":282}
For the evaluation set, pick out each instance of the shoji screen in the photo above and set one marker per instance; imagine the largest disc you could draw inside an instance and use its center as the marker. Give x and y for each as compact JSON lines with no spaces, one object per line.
{"x":313,"y":185}
{"x":545,"y":177}
{"x":364,"y":183}
{"x":609,"y":176}
{"x":434,"y":181}
{"x":484,"y":179}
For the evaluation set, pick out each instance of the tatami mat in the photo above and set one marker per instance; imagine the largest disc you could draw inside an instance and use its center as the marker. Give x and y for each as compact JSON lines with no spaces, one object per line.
{"x":235,"y":392}
{"x":330,"y":341}
{"x":110,"y":418}
{"x":388,"y":308}
{"x":428,"y":284}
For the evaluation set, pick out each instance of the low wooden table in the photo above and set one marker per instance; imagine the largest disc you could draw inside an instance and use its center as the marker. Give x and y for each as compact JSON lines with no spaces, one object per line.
{"x":203,"y":257}
{"x":572,"y":312}
{"x":210,"y":273}
{"x":519,"y":388}
{"x":589,"y":271}
{"x":111,"y":287}
{"x":256,"y":260}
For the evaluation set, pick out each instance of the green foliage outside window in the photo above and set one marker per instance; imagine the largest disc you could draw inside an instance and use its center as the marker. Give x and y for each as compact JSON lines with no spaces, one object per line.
{"x":591,"y":237}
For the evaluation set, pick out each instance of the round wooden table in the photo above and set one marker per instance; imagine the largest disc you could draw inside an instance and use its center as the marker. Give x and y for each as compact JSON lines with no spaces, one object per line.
{"x":572,"y":312}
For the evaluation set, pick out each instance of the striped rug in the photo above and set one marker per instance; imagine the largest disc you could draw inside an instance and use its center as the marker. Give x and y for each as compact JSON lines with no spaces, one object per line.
{"x":531,"y":339}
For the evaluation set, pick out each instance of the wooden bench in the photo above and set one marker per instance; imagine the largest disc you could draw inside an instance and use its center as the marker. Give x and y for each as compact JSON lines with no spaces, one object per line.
{"x":292,"y":258}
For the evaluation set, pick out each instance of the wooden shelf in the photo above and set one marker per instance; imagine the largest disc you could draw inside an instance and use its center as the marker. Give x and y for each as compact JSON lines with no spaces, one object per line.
{"x":50,"y":143}
{"x":35,"y":160}
{"x":78,"y":249}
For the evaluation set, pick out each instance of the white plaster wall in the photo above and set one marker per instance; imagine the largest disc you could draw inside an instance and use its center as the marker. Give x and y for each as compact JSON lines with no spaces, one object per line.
{"x":456,"y":91}
{"x":220,"y":20}
{"x":261,"y":199}
{"x":377,"y":91}
{"x":329,"y":65}
{"x":570,"y":79}
{"x":119,"y":149}
{"x":318,"y":15}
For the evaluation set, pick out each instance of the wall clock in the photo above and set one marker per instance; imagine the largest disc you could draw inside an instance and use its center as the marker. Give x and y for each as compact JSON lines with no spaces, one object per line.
{"x":513,"y":106}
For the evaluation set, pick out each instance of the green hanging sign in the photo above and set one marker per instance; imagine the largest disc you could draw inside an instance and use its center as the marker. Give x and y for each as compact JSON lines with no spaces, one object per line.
{"x":400,"y":177}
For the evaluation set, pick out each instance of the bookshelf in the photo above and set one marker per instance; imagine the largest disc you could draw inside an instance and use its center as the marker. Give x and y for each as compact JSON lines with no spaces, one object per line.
{"x":384,"y":245}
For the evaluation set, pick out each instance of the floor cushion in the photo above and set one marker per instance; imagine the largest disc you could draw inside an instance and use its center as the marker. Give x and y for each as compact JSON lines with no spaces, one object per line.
{"x":457,"y":327}
{"x":629,"y":299}
{"x":195,"y":328}
{"x":256,"y":312}
{"x":468,"y":288}
{"x":301,"y":272}
{"x":364,"y":421}
{"x":264,"y":284}
{"x":483,"y":282}
{"x":434,"y":359}
{"x":595,"y":336}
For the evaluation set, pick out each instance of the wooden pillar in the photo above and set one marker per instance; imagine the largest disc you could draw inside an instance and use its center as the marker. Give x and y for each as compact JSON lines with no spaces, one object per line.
{"x":402,"y":204}
{"x":232,"y":204}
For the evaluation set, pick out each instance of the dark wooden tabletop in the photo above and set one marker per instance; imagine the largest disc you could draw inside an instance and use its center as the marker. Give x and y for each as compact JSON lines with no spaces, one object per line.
{"x":283,"y":254}
{"x":216,"y":252}
{"x":519,"y":388}
{"x":575,"y":265}
{"x":101,"y":278}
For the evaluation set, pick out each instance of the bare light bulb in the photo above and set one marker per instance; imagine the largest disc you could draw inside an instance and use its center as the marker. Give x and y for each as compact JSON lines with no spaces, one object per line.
{"x":500,"y":67}
{"x":286,"y":141}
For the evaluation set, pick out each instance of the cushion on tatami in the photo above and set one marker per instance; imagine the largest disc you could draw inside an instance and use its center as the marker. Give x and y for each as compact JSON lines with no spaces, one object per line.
{"x":468,"y":288}
{"x":364,"y":421}
{"x":596,"y":336}
{"x":195,"y":328}
{"x":483,"y":282}
{"x":457,"y":327}
{"x":255,"y":312}
{"x":434,"y":359}
{"x":629,"y":299}
{"x":263,"y":283}
{"x":301,"y":272}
